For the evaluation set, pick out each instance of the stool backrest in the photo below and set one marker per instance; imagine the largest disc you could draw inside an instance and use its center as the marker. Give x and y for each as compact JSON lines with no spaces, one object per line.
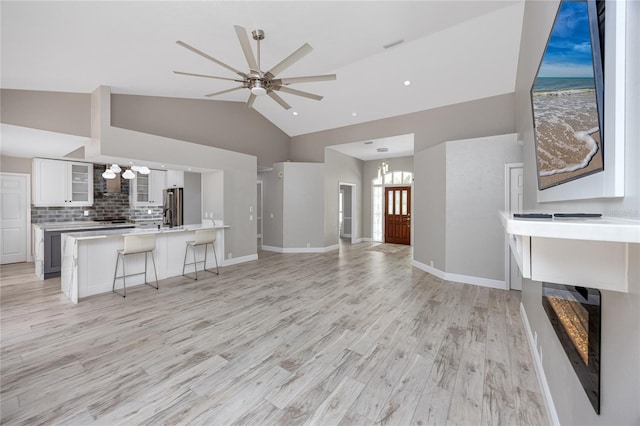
{"x":139,"y":243}
{"x":205,"y":236}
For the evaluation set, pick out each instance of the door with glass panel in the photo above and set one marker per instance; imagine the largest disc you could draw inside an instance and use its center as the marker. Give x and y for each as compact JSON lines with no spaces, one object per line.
{"x":397,"y":215}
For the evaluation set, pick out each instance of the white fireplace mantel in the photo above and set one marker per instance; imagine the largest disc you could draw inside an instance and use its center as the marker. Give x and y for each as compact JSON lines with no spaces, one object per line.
{"x":590,"y":252}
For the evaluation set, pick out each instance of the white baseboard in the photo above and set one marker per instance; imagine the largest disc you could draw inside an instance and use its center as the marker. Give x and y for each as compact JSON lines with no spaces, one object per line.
{"x":366,"y":239}
{"x":466,"y":279}
{"x":357,"y":241}
{"x":542,"y":379}
{"x":241,"y":259}
{"x":290,"y":250}
{"x":345,"y":236}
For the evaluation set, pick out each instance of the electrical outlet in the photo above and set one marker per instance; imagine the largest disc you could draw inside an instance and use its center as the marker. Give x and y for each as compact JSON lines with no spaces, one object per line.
{"x":148,"y":211}
{"x":431,"y":263}
{"x":230,"y":255}
{"x":271,"y":215}
{"x":308,"y":245}
{"x":250,"y":217}
{"x":86,"y":212}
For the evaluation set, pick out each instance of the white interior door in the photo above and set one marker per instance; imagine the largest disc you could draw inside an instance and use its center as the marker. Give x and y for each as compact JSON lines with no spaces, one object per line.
{"x":14,"y":217}
{"x":514,"y":204}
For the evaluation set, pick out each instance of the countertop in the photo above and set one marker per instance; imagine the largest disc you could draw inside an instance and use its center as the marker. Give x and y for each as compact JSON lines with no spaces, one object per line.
{"x":90,"y":235}
{"x":61,"y":226}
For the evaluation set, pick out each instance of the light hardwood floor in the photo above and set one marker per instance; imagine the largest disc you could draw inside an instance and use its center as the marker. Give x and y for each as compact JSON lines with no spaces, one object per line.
{"x":356,"y":337}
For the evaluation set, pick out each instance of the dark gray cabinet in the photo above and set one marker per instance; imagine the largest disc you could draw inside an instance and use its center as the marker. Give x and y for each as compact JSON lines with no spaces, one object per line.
{"x":53,"y":248}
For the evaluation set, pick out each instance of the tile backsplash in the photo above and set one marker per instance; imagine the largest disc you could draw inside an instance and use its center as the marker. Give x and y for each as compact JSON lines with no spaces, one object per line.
{"x":105,"y":205}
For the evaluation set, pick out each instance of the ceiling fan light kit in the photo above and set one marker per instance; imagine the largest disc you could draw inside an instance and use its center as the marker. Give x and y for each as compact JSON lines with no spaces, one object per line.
{"x":258,"y":82}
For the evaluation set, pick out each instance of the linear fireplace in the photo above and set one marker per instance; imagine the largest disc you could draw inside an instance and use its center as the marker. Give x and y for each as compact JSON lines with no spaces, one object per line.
{"x":574,"y":313}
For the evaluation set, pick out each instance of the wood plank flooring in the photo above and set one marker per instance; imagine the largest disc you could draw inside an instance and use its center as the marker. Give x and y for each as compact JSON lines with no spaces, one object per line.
{"x":357,"y":337}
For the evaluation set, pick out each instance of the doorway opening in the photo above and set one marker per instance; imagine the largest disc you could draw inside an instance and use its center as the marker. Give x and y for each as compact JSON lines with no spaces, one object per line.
{"x":394,"y":180}
{"x":259,"y":213}
{"x":346,"y":212}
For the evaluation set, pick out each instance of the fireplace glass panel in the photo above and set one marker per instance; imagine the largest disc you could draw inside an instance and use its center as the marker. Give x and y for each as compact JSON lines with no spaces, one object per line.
{"x":574,"y":313}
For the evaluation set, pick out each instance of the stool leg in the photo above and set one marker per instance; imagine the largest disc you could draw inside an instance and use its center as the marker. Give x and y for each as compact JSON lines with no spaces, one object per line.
{"x":216,"y":258}
{"x":115,"y":273}
{"x":184,"y":263}
{"x":205,"y":257}
{"x":124,"y":276}
{"x":195,"y":264}
{"x":155,"y":272}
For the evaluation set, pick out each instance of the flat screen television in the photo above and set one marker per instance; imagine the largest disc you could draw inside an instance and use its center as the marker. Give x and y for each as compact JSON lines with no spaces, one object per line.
{"x":568,"y":96}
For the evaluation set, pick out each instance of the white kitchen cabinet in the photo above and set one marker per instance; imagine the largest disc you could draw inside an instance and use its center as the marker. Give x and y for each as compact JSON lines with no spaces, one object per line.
{"x":175,"y":179}
{"x":62,"y":183}
{"x":146,"y":190}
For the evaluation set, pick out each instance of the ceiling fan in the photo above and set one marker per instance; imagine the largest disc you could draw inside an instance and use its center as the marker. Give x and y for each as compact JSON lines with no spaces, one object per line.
{"x":257,"y":81}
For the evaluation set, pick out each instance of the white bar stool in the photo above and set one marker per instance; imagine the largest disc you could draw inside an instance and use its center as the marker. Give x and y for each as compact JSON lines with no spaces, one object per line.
{"x":135,"y":244}
{"x":203,"y":237}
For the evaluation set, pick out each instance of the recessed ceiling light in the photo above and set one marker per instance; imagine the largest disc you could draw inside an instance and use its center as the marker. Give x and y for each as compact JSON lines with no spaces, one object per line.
{"x":368,"y":142}
{"x":162,"y":165}
{"x":382,"y":149}
{"x":407,"y":83}
{"x":295,"y":113}
{"x":353,"y":114}
{"x":189,"y":169}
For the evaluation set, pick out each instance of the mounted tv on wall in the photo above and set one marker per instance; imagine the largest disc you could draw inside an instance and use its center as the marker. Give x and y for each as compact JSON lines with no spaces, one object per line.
{"x":568,"y":96}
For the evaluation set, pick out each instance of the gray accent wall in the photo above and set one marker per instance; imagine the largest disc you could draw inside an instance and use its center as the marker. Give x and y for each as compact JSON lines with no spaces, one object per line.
{"x":620,"y":322}
{"x":429,"y":202}
{"x":475,"y":193}
{"x":15,"y":164}
{"x":482,"y":117}
{"x":304,"y":203}
{"x":227,"y":125}
{"x":192,"y":198}
{"x":60,"y":112}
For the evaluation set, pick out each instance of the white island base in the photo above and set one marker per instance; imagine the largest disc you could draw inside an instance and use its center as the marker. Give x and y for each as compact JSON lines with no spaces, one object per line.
{"x":89,"y":258}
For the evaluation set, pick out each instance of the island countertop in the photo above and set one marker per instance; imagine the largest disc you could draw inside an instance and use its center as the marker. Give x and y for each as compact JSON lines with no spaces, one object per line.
{"x":89,"y":235}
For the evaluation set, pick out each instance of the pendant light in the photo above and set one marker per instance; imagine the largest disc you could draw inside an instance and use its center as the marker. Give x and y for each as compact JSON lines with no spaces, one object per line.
{"x":128,"y":174}
{"x":109,"y":174}
{"x":115,"y":168}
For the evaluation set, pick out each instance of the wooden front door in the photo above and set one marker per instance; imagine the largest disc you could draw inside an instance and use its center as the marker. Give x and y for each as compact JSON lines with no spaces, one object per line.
{"x":397,"y":215}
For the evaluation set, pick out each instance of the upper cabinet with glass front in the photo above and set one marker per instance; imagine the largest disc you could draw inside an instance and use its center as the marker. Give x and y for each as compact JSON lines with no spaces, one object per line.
{"x":146,"y":190}
{"x":62,"y":183}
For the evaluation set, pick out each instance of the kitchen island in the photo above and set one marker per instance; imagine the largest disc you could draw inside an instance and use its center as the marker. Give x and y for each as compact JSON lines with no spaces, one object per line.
{"x":89,"y":258}
{"x":47,"y":255}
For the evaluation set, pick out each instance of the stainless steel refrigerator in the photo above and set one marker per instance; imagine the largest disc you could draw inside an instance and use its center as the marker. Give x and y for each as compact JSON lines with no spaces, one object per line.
{"x":172,"y":207}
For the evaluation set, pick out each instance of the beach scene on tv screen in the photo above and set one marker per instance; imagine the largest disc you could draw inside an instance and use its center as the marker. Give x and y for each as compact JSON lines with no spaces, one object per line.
{"x":565,"y":109}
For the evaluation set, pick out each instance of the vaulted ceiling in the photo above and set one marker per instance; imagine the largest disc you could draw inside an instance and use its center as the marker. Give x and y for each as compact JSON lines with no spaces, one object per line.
{"x":452,"y":51}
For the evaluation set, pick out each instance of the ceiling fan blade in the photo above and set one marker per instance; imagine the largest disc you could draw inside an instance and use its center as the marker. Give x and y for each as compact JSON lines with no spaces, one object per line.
{"x":225,"y":91}
{"x":308,"y":79}
{"x":291,"y":59}
{"x":250,"y":101}
{"x":298,"y":93}
{"x":211,"y":58}
{"x":246,"y":47}
{"x":207,"y":76}
{"x":278,"y":99}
